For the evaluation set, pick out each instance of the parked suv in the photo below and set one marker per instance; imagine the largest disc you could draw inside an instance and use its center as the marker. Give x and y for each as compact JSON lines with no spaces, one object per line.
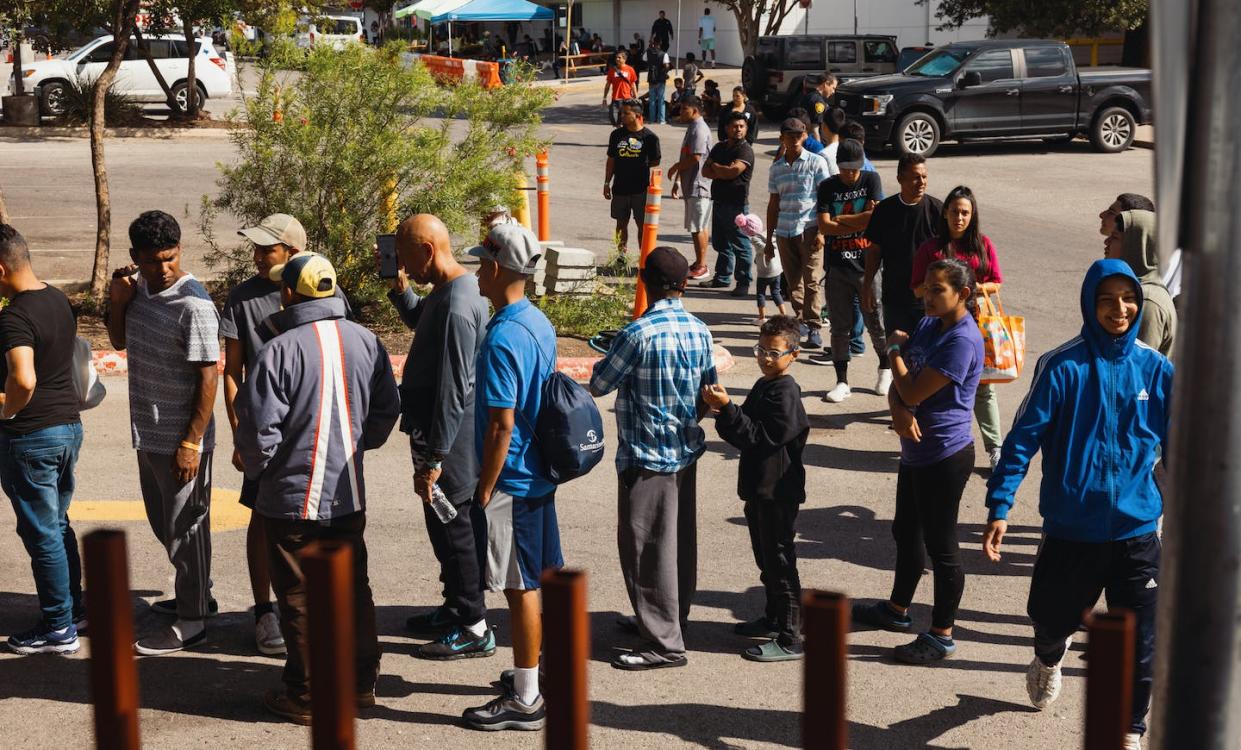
{"x":999,"y":88}
{"x":49,"y":79}
{"x":773,"y":75}
{"x":335,"y":31}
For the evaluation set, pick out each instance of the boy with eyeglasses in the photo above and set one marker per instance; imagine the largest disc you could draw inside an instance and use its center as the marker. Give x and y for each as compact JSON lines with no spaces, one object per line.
{"x":770,"y":430}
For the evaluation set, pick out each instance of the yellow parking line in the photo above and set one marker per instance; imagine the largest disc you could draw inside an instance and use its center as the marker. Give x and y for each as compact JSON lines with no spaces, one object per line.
{"x":227,"y":513}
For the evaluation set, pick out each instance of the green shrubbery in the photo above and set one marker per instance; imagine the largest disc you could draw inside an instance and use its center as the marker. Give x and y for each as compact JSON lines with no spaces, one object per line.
{"x":119,"y":110}
{"x":360,"y":137}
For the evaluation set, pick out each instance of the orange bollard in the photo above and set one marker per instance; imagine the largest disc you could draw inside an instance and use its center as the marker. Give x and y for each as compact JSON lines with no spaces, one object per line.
{"x":1109,"y":679}
{"x":545,"y":196}
{"x":650,"y":235}
{"x":825,"y":618}
{"x":566,"y":624}
{"x":113,"y":676}
{"x":329,"y":597}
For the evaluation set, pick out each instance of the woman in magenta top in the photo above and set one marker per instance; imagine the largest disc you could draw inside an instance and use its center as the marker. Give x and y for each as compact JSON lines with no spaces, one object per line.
{"x":960,"y":236}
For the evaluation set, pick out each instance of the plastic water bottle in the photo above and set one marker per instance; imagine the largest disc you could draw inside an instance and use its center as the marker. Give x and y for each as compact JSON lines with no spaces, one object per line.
{"x":444,"y":510}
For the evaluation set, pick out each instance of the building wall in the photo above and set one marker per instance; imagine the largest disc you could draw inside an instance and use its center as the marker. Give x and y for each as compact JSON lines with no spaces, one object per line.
{"x":912,"y":24}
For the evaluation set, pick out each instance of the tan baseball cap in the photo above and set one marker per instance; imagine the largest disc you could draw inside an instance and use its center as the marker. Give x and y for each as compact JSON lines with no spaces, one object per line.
{"x":277,"y":229}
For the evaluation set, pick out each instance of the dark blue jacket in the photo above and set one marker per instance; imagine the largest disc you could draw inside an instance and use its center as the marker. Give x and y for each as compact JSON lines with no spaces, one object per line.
{"x":1098,"y":409}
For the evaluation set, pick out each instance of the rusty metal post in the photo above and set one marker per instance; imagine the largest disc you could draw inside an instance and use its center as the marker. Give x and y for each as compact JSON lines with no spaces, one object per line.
{"x":825,"y":624}
{"x":333,"y":686}
{"x":113,"y":675}
{"x":566,"y":624}
{"x":1109,"y":680}
{"x":650,"y":235}
{"x":543,"y":180}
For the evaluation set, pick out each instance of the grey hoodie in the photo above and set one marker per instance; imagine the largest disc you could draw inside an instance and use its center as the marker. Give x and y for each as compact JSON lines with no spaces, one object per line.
{"x":1158,"y":325}
{"x":321,"y":393}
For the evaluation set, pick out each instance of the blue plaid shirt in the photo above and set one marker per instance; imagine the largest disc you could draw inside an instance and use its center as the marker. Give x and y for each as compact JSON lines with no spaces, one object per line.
{"x":658,"y":364}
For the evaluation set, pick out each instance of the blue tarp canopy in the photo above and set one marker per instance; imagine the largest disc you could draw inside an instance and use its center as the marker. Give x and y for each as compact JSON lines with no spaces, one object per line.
{"x":496,"y":10}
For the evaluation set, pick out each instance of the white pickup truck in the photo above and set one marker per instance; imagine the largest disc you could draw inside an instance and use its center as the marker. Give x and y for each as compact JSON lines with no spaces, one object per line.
{"x":213,"y":71}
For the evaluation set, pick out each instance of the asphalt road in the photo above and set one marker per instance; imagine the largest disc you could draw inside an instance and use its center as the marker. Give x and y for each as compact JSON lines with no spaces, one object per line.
{"x":1038,"y":204}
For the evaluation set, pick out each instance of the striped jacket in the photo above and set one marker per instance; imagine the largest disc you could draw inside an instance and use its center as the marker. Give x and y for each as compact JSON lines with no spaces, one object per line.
{"x":320,"y":394}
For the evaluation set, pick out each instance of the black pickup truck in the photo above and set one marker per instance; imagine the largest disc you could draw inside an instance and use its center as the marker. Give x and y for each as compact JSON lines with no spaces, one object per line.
{"x":999,"y":88}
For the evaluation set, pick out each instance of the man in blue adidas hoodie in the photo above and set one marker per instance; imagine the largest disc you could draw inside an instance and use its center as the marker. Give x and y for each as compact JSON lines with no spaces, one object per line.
{"x":1098,"y":409}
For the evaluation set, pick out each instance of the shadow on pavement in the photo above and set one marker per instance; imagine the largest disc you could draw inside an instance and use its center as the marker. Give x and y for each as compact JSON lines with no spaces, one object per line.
{"x":730,"y":727}
{"x":853,"y":534}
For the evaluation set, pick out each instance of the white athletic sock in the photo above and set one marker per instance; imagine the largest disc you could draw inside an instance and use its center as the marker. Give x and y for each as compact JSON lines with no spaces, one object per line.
{"x":526,"y":684}
{"x":187,"y":629}
{"x":478,"y":629}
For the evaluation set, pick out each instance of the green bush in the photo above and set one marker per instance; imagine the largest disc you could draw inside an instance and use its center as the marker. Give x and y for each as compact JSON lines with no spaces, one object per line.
{"x":119,"y":110}
{"x":359,"y":131}
{"x":585,"y":316}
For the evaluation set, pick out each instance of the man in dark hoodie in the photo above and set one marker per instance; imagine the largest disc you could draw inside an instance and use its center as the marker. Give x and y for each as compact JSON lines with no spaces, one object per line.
{"x":320,"y":394}
{"x":1132,"y":240}
{"x":1099,"y":499}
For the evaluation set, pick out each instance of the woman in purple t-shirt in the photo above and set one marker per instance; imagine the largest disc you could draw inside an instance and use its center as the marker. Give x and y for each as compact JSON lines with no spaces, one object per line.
{"x":959,"y":236}
{"x":935,"y":376}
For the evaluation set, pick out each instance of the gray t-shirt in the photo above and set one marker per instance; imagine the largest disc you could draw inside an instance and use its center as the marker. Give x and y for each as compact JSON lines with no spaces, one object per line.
{"x":249,"y":304}
{"x":697,"y":141}
{"x":437,"y":385}
{"x":168,"y":336}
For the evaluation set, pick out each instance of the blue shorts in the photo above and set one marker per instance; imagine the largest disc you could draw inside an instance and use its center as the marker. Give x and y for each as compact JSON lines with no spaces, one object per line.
{"x":523,"y":540}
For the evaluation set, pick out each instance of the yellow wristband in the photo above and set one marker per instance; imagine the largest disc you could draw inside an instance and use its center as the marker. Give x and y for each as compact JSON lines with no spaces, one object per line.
{"x":198,"y":447}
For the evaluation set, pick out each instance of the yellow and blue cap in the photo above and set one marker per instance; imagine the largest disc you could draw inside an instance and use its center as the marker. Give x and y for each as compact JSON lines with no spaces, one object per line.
{"x":308,"y":274}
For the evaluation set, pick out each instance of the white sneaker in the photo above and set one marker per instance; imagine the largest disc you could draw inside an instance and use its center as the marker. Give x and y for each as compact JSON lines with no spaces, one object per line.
{"x":267,"y":636}
{"x":994,"y":455}
{"x":1133,"y":741}
{"x":1042,"y":683}
{"x":841,"y":392}
{"x":884,"y":382}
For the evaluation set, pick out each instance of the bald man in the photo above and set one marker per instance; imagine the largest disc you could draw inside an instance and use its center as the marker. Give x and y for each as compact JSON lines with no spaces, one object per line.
{"x":437,"y":412}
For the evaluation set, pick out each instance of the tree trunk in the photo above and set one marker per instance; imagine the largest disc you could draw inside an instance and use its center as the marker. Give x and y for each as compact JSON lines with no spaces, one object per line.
{"x":19,"y":88}
{"x":123,"y":25}
{"x":159,"y":76}
{"x":4,"y":209}
{"x":191,"y":78}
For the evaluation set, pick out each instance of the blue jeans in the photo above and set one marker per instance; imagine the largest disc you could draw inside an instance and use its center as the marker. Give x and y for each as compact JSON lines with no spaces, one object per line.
{"x":733,"y":250}
{"x":657,"y":104}
{"x":36,"y":471}
{"x":857,"y":345}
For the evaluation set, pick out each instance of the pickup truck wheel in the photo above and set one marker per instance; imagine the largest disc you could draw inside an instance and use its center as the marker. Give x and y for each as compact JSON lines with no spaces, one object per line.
{"x":1113,"y":130}
{"x":52,"y":97}
{"x":917,"y":133}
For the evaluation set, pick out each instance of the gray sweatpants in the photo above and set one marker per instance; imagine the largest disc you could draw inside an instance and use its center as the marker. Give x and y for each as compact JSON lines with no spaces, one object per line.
{"x":843,"y":285}
{"x":657,"y":536}
{"x":180,"y":516}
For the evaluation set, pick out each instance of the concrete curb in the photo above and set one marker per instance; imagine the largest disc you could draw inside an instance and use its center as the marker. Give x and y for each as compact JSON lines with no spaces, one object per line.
{"x":109,"y":362}
{"x":161,"y":133}
{"x":1144,"y":144}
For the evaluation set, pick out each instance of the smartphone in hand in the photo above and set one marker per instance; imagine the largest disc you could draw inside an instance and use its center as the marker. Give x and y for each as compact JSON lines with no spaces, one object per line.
{"x":388,"y":266}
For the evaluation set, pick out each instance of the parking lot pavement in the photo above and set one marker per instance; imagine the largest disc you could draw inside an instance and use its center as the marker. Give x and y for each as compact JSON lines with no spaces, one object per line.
{"x":1039,"y":205}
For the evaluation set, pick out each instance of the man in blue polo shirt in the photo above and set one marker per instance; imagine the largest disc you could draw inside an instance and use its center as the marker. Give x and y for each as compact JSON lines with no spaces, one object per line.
{"x":517,"y":355}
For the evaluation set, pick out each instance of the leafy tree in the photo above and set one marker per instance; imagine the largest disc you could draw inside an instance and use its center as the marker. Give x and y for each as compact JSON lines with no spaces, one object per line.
{"x":753,"y":15}
{"x":1058,"y":19}
{"x":360,"y":138}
